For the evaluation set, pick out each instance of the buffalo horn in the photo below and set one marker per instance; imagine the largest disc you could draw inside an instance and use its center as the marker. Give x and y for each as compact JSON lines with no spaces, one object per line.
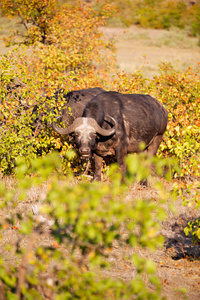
{"x":106,"y":132}
{"x":77,"y":122}
{"x":90,"y":121}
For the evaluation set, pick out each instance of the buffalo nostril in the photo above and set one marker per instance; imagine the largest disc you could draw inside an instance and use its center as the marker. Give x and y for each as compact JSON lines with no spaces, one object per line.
{"x":84,"y":150}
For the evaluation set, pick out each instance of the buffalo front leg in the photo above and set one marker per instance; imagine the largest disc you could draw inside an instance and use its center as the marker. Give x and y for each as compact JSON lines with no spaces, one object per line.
{"x":153,"y":147}
{"x":121,"y":153}
{"x":98,"y":160}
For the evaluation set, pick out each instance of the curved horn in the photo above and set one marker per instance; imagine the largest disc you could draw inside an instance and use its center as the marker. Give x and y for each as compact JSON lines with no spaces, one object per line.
{"x":77,"y":122}
{"x":106,"y":132}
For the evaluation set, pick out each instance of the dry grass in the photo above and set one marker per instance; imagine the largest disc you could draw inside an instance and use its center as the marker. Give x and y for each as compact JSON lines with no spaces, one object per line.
{"x":7,"y":26}
{"x":145,"y":49}
{"x":139,"y":48}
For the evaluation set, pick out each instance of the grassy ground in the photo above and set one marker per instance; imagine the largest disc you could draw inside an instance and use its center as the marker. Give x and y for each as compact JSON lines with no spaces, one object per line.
{"x":7,"y":26}
{"x":139,"y":48}
{"x":145,"y":49}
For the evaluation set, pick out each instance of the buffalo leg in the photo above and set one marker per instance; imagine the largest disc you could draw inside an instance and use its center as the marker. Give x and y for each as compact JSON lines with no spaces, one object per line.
{"x":98,"y":160}
{"x":152,"y":149}
{"x":120,"y":154}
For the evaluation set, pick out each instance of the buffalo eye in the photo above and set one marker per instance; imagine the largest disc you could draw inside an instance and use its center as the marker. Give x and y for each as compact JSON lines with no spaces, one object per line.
{"x":93,"y":135}
{"x":76,"y":134}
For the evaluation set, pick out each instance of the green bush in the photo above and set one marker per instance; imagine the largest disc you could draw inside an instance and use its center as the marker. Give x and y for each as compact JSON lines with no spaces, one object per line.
{"x":79,"y":57}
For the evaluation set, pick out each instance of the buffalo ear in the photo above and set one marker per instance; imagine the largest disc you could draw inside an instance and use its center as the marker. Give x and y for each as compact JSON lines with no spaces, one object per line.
{"x":70,"y":137}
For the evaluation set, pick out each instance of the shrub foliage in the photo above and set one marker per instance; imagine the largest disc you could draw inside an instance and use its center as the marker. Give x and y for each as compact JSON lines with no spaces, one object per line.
{"x":73,"y":56}
{"x":76,"y":55}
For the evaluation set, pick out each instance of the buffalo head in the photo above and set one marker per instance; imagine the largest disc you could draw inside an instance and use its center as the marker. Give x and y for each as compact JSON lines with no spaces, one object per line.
{"x":86,"y":132}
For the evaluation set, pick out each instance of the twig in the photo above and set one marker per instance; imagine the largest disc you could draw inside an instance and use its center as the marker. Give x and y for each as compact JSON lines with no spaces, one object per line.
{"x":87,"y":167}
{"x":24,"y":264}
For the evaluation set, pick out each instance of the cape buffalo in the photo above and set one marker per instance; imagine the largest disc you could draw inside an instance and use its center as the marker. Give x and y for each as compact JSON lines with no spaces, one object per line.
{"x":115,"y":124}
{"x":74,"y":105}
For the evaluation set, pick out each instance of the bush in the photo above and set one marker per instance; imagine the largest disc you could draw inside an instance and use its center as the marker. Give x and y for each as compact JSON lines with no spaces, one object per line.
{"x":73,"y":56}
{"x":89,"y":219}
{"x":195,"y":21}
{"x":76,"y":56}
{"x":180,"y":94}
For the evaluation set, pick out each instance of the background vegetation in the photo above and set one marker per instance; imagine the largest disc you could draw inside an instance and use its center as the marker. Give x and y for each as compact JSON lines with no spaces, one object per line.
{"x":162,"y":14}
{"x":61,"y":46}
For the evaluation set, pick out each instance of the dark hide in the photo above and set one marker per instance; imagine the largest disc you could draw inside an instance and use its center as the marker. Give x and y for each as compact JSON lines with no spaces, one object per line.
{"x":76,"y":101}
{"x":140,"y":118}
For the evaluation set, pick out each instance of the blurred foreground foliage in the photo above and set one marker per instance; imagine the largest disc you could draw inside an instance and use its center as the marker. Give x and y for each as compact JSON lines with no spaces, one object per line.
{"x":88,"y":220}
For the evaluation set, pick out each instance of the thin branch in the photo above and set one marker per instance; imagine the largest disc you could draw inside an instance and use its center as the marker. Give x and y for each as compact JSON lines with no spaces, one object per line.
{"x":23,"y":21}
{"x":24,"y":264}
